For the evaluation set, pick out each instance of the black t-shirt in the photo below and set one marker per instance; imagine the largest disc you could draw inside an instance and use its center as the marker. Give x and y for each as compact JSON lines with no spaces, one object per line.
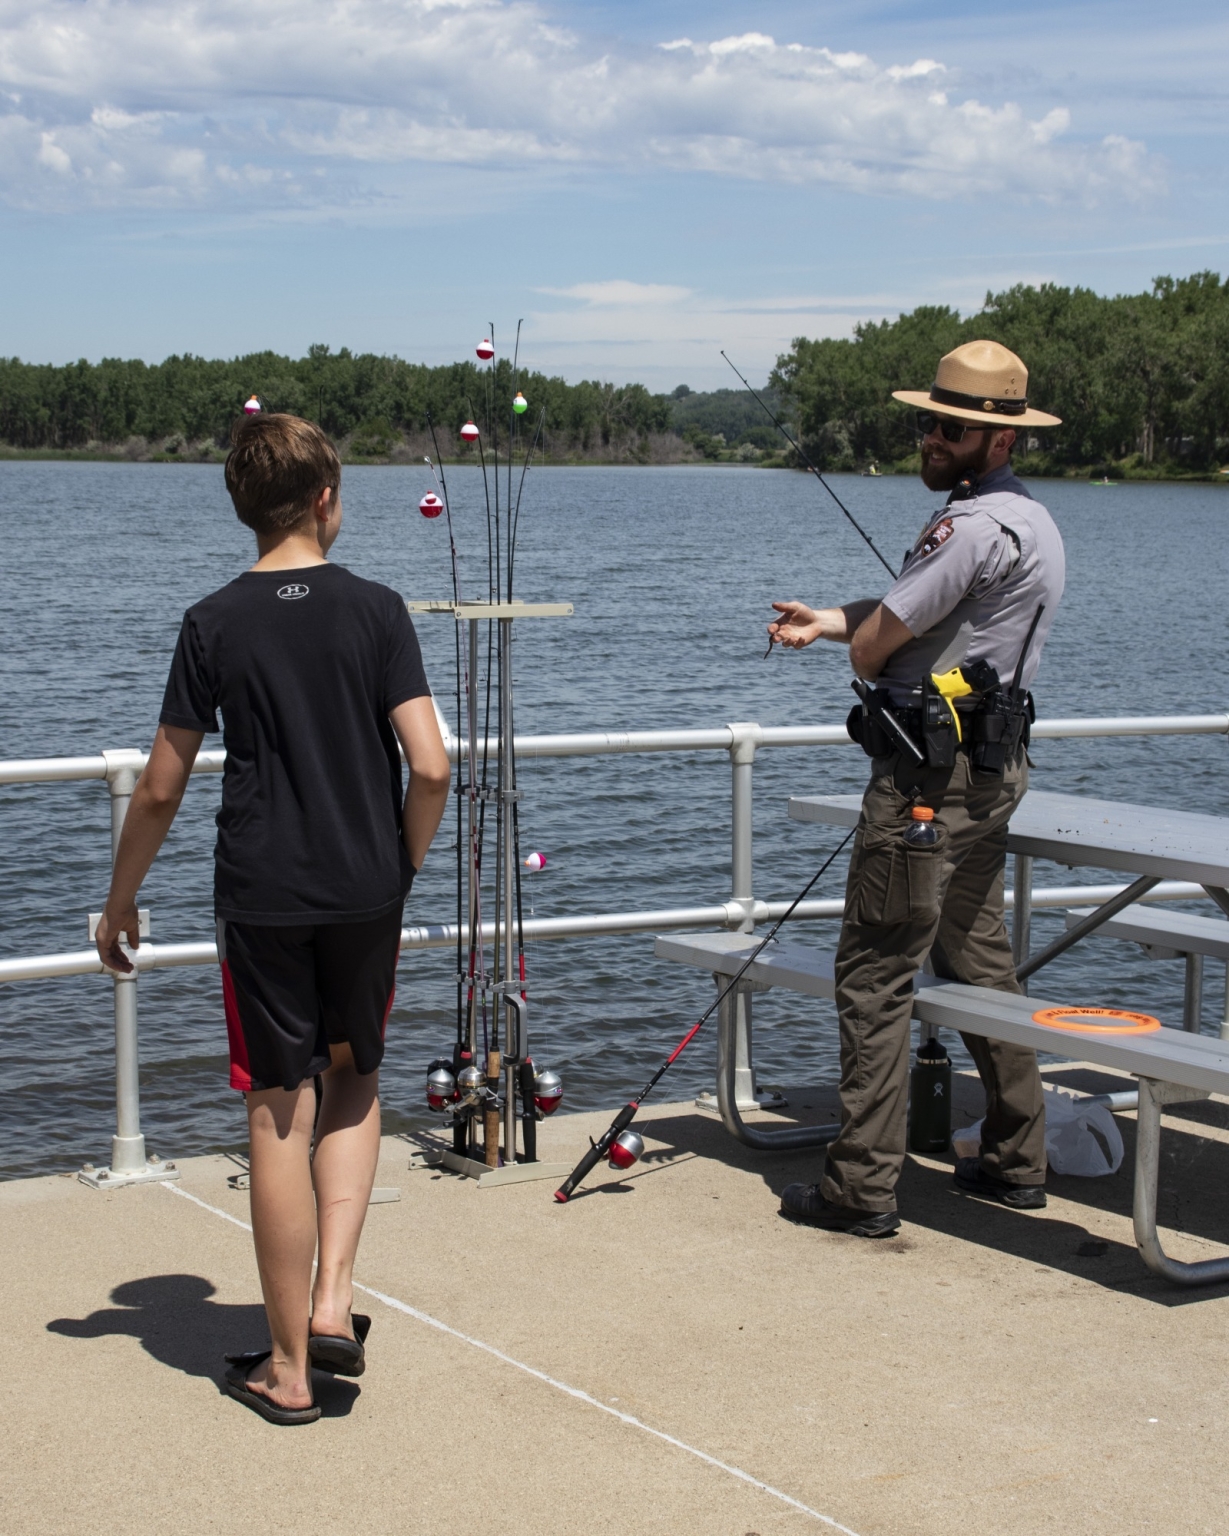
{"x":305,"y":666}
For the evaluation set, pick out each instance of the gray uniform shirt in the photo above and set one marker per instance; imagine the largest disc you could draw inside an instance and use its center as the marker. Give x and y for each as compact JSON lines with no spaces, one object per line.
{"x":972,"y":583}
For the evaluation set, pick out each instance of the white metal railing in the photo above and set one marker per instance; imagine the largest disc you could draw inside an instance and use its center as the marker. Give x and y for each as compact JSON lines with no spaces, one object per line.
{"x":119,"y":769}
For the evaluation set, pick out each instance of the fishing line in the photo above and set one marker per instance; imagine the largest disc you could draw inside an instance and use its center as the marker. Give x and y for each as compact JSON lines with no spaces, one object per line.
{"x":516,"y":522}
{"x":797,"y":447}
{"x":598,"y":1149}
{"x":512,"y":433}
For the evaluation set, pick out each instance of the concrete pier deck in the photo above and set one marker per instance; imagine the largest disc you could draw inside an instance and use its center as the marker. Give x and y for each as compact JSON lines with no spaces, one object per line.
{"x":664,"y":1355}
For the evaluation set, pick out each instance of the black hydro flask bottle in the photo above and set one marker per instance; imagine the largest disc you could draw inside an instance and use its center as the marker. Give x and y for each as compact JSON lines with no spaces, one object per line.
{"x":930,"y":1099}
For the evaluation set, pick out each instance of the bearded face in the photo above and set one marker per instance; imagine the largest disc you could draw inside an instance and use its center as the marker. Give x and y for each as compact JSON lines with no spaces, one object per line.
{"x":945,"y":464}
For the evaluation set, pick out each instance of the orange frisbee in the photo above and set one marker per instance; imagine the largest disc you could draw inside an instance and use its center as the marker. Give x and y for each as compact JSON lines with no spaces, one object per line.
{"x":1087,"y":1021}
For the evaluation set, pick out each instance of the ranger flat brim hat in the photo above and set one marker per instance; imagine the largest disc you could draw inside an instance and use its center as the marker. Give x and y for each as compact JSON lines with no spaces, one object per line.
{"x":982,"y":383}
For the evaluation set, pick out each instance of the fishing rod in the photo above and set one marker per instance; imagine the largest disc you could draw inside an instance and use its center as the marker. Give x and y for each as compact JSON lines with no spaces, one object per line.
{"x":797,"y":447}
{"x":611,"y":1143}
{"x":462,"y":1052}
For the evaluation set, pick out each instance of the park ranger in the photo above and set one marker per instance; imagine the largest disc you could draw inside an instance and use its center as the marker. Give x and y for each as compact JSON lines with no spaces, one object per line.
{"x":945,"y":660}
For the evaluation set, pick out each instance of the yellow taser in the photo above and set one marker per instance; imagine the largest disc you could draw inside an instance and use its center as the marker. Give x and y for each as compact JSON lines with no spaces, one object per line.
{"x":952,"y":685}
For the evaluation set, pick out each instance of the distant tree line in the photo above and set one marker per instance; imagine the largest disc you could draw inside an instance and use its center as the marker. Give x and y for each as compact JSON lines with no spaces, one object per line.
{"x":353,"y":396}
{"x":1141,"y":381}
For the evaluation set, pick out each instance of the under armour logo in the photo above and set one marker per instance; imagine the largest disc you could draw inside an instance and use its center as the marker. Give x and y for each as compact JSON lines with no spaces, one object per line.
{"x":295,"y":589}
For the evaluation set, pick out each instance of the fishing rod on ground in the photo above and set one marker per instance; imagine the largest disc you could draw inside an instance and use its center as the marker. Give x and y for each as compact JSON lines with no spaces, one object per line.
{"x":797,"y":447}
{"x":620,"y":1144}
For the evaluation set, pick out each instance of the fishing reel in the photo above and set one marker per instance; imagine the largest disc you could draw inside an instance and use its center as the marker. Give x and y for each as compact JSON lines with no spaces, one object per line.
{"x":441,"y":1086}
{"x":627,"y":1148}
{"x":456,"y":1094}
{"x":547,"y":1092}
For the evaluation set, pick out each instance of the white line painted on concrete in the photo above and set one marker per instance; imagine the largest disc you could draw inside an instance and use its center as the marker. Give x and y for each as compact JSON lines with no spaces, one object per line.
{"x":593,"y":1402}
{"x":551,"y":1381}
{"x":183,"y":1194}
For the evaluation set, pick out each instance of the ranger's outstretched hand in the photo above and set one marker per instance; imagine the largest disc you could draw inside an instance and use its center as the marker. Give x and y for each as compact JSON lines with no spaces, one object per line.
{"x":797,"y":626}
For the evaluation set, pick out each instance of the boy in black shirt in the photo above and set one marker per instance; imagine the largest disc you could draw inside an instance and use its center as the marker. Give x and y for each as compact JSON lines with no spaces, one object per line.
{"x":318,"y":676}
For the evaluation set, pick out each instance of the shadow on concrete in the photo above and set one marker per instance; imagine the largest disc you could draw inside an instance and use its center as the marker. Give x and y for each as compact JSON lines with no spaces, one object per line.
{"x":1194,"y":1174}
{"x":177,"y":1323}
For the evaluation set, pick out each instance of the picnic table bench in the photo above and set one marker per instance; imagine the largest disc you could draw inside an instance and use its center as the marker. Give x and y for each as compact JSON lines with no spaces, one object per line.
{"x":1171,"y":1066}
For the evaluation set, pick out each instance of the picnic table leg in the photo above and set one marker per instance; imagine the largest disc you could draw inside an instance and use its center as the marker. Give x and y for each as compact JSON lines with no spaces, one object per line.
{"x":1022,"y":909}
{"x":1192,"y":1000}
{"x":1221,"y":898}
{"x":1152,"y":1095}
{"x":734,"y":1064}
{"x":1224,"y":1018}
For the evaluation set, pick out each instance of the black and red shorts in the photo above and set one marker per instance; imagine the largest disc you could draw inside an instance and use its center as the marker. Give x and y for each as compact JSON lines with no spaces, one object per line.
{"x":291,"y":992}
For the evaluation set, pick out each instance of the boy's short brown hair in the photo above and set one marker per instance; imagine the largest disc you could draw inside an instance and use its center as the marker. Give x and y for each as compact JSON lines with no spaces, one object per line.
{"x":276,"y":468}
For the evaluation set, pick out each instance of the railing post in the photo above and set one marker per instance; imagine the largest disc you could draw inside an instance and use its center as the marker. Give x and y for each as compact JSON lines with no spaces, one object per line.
{"x":745,"y":738}
{"x":129,"y":1164}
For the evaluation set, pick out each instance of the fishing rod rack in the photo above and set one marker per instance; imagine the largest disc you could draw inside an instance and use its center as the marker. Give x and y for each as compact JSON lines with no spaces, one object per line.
{"x":493,"y":1079}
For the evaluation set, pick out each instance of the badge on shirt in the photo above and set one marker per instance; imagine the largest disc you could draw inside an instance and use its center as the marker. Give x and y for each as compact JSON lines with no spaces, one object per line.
{"x":936,"y":537}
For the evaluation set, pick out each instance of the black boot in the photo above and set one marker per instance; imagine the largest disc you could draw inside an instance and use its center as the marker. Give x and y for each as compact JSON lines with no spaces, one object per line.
{"x":803,"y":1202}
{"x":971,"y":1177}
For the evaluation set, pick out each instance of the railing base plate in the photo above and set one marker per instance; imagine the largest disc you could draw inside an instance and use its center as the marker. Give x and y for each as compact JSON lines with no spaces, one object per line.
{"x":106,"y":1178}
{"x":769,"y":1100}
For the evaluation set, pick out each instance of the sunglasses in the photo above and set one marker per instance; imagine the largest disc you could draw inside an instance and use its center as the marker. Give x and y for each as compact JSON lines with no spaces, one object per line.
{"x":953,"y":431}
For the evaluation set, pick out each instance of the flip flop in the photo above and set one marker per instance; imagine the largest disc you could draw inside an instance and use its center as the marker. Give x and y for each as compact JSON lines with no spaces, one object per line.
{"x":235,"y":1384}
{"x":336,"y":1353}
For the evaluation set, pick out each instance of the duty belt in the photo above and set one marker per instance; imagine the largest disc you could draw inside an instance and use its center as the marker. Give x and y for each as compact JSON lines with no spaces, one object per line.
{"x":993,"y":732}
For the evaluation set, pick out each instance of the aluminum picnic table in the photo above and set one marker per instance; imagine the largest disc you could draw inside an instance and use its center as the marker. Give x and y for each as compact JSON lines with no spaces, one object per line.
{"x":1147,"y":841}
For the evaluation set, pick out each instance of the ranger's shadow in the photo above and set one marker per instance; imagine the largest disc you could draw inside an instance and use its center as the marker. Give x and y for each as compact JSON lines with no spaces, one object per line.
{"x":176,"y":1321}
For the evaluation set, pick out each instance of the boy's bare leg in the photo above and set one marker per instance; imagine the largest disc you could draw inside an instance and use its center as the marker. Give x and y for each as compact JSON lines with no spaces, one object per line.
{"x":344,"y":1169}
{"x":284,"y":1229}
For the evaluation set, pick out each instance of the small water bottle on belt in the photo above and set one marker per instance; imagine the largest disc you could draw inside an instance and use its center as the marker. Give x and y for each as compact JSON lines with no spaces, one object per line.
{"x":921,"y":831}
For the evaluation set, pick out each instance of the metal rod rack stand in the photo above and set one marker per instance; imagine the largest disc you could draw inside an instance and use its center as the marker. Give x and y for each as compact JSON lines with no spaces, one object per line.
{"x":505,"y":981}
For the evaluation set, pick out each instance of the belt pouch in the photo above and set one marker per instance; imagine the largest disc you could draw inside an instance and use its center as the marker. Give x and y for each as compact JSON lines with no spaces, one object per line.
{"x":990,"y":734}
{"x":868,"y":733}
{"x":938,"y":728}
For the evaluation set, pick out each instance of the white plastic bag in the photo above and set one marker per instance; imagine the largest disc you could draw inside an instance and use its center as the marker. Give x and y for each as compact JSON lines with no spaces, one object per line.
{"x":1081,"y":1138}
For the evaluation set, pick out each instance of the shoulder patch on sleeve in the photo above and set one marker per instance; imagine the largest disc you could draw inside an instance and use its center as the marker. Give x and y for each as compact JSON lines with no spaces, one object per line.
{"x":935,"y":537}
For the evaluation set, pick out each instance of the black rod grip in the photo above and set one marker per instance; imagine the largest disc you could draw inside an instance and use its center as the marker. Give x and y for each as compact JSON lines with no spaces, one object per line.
{"x":529,"y":1115}
{"x":596,"y":1152}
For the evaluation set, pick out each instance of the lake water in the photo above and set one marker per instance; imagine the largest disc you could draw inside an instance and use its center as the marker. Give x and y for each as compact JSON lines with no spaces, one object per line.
{"x":671,"y":572}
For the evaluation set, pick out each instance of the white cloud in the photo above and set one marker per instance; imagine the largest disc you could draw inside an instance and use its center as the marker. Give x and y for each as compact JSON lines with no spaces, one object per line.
{"x":150,"y":101}
{"x":619,"y":294}
{"x":665,"y":335}
{"x":50,"y":154}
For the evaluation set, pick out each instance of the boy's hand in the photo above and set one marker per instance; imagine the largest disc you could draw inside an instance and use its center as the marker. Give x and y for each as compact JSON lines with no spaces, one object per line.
{"x":111,"y":927}
{"x":797,"y":626}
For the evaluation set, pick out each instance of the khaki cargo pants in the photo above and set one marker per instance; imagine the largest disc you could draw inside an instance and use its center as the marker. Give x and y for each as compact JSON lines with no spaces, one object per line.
{"x":902,"y":904}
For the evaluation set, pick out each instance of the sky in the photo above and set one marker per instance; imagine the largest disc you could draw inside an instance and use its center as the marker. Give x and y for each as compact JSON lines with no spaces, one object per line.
{"x":643,"y":184}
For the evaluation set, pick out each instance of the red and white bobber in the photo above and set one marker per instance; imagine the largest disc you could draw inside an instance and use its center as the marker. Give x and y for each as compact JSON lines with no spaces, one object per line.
{"x":469,"y":432}
{"x":253,"y":407}
{"x":485,"y":349}
{"x":430,"y":505}
{"x":626,"y":1149}
{"x":535,"y":862}
{"x":547,"y":1091}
